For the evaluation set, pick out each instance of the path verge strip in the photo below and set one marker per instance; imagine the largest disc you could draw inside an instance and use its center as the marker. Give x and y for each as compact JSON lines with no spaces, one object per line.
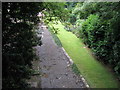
{"x":71,"y":63}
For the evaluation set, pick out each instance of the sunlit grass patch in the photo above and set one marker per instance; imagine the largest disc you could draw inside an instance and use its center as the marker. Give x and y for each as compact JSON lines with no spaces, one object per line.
{"x":94,"y":72}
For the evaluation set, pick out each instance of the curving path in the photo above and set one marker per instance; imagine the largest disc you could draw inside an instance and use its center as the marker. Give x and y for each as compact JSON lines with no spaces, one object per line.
{"x":54,"y":65}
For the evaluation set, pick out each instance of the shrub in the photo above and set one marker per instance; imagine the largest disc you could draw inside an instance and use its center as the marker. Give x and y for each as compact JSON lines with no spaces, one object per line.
{"x":100,"y":31}
{"x":88,"y":29}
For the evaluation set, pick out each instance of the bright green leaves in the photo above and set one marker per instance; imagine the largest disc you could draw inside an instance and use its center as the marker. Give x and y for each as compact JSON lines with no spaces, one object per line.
{"x":100,"y":31}
{"x":88,"y":29}
{"x":55,"y":9}
{"x":98,"y":25}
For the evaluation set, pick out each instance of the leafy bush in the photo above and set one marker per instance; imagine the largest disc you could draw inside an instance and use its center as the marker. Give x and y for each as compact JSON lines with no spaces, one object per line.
{"x":88,"y":29}
{"x":72,"y":18}
{"x":101,"y":33}
{"x":18,"y":40}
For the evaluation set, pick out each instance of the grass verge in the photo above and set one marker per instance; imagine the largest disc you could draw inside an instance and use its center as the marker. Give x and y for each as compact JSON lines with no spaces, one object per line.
{"x":75,"y":69}
{"x":56,"y":39}
{"x":94,"y":72}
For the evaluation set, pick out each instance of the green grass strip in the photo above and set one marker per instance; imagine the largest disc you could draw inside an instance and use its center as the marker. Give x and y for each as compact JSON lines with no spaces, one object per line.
{"x":75,"y":69}
{"x":94,"y":72}
{"x":55,"y":37}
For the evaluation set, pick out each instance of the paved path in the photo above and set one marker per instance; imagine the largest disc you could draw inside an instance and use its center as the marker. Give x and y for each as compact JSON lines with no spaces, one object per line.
{"x":55,"y":69}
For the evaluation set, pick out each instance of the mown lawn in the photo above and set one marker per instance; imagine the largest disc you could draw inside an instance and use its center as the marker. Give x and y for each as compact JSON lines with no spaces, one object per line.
{"x":95,"y":73}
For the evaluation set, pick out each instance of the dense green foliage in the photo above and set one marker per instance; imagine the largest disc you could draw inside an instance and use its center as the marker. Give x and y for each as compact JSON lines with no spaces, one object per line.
{"x":55,"y":11}
{"x":18,"y":39}
{"x":100,"y":30}
{"x":97,"y":23}
{"x":19,"y":20}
